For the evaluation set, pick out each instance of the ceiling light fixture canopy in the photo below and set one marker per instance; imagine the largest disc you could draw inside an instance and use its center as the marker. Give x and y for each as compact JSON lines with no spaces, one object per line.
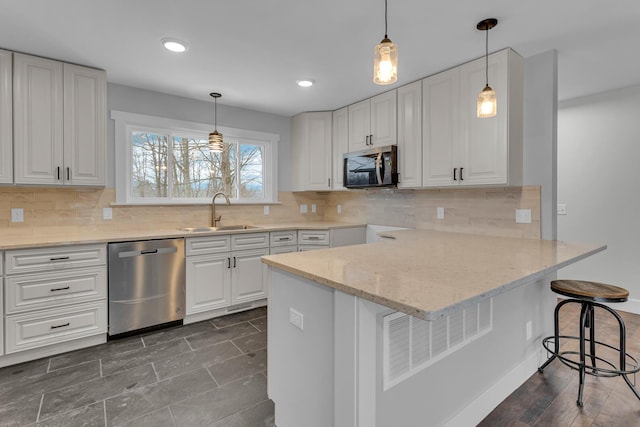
{"x":487,"y":102}
{"x":174,"y":45}
{"x":215,"y":137}
{"x":305,"y":82}
{"x":385,"y":58}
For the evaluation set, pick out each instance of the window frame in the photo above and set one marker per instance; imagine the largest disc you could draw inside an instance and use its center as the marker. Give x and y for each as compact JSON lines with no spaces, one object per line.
{"x":127,"y":123}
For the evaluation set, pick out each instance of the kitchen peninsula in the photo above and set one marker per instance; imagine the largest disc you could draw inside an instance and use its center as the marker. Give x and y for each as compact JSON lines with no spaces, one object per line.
{"x":423,"y":328}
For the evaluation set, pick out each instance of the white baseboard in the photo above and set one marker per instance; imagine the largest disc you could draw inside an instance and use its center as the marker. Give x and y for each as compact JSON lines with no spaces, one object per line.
{"x":477,"y":410}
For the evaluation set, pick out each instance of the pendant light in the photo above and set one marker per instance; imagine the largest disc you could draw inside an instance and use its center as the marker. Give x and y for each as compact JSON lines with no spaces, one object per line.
{"x":215,"y":137}
{"x":385,"y":58}
{"x":487,"y":103}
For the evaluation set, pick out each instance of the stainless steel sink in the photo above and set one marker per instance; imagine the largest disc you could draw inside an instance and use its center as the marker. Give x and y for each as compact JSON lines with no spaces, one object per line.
{"x":222,"y":228}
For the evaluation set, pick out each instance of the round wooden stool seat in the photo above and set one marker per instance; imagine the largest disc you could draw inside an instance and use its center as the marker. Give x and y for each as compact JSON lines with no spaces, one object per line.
{"x":592,"y":291}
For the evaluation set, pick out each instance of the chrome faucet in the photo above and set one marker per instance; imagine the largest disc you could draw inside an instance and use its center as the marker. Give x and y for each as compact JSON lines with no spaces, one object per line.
{"x":215,"y":220}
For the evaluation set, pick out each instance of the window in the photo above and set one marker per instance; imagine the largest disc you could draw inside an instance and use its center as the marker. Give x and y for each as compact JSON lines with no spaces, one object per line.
{"x":165,"y":161}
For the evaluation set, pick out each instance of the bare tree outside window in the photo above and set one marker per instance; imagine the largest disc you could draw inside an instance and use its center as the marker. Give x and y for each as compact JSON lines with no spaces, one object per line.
{"x":196,"y":172}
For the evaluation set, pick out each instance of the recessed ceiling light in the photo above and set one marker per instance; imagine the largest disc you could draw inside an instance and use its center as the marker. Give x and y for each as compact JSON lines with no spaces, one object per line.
{"x":174,"y":45}
{"x":305,"y":82}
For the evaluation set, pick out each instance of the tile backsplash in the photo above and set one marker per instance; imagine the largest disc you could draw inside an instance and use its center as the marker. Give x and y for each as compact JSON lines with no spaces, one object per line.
{"x":484,"y":211}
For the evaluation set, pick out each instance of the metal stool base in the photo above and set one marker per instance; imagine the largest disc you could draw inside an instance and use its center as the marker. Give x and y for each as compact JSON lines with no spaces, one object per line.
{"x":587,"y":320}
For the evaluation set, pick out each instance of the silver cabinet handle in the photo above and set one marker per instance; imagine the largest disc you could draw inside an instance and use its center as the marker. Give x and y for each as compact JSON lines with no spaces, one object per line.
{"x":313,"y":238}
{"x":59,"y":289}
{"x":62,"y":258}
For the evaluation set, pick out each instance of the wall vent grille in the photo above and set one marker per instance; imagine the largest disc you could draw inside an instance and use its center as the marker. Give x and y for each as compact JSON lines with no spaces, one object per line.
{"x":411,"y":344}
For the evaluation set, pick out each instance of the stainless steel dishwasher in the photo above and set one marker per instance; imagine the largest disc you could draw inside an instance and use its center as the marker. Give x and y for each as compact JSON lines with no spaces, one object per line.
{"x":146,"y":284}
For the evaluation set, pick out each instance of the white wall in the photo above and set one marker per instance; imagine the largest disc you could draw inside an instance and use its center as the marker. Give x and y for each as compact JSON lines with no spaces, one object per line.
{"x":598,"y":179}
{"x":134,"y":100}
{"x":540,"y":133}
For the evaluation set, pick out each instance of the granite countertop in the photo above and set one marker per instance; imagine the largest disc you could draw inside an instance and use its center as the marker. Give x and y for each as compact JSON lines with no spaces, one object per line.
{"x":34,"y":238}
{"x":428,"y":274}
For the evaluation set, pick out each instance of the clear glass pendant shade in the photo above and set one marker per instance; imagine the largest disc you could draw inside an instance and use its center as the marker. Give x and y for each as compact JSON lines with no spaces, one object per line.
{"x":487,"y":104}
{"x":385,"y":63}
{"x":215,"y":141}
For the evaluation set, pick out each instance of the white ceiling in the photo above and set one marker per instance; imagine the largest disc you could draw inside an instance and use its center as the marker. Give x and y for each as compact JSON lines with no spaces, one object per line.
{"x":253,"y":51}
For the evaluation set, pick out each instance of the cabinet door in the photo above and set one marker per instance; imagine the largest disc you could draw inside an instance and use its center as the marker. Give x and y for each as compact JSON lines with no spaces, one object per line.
{"x":359,"y":125}
{"x":85,"y":115}
{"x":6,"y":118}
{"x":248,"y":278}
{"x":384,"y":119}
{"x":440,"y":128}
{"x":318,"y":159}
{"x":483,"y":143}
{"x":208,"y":282}
{"x":340,"y":143}
{"x":410,"y":135}
{"x":38,"y":129}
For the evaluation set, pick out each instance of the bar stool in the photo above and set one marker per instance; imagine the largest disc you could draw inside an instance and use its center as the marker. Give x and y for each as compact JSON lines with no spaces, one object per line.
{"x":590,"y":295}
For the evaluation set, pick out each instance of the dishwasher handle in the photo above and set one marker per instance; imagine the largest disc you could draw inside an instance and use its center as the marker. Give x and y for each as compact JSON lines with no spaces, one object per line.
{"x":130,"y":254}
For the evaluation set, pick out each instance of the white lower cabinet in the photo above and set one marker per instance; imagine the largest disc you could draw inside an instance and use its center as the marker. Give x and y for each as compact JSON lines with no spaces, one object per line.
{"x":54,"y":295}
{"x":218,"y":278}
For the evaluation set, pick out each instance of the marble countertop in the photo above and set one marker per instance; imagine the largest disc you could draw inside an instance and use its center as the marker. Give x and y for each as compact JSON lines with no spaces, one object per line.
{"x":428,"y":274}
{"x":34,"y":238}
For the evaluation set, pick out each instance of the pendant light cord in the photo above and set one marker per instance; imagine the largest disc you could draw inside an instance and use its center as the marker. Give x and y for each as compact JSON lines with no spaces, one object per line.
{"x":385,"y":19}
{"x":486,"y":56}
{"x":215,"y":114}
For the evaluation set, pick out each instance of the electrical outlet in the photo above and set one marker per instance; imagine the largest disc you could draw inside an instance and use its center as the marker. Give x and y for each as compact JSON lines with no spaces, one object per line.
{"x":266,"y":210}
{"x":107,"y":214}
{"x":440,"y":213}
{"x":339,"y":207}
{"x":523,"y":216}
{"x":529,"y":330}
{"x":17,"y":215}
{"x":561,"y":209}
{"x":296,"y":318}
{"x":303,"y":209}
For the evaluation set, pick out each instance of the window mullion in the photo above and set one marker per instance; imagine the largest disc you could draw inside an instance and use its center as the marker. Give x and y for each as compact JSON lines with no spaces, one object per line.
{"x":169,"y":167}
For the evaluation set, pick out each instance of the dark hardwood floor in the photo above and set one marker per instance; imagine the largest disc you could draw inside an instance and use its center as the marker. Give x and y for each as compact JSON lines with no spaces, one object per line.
{"x":549,"y":399}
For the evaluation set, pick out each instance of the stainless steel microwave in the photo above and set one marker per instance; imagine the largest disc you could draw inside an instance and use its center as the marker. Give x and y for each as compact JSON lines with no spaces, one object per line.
{"x":375,"y":167}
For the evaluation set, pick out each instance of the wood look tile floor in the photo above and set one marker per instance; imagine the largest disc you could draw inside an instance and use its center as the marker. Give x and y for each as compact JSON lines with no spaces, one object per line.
{"x":549,"y":399}
{"x":210,"y":373}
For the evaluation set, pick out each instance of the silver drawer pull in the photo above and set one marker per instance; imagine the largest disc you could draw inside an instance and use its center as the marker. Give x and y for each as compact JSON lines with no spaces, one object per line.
{"x":283,"y":239}
{"x":60,"y":326}
{"x":60,"y":289}
{"x":313,"y":238}
{"x":62,"y":258}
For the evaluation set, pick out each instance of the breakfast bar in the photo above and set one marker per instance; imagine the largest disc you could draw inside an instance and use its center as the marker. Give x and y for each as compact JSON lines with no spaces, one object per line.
{"x":422,"y":328}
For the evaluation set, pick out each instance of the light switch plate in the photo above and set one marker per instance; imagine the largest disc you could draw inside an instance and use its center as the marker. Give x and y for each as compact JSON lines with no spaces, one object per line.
{"x":303,"y":208}
{"x":296,"y":318}
{"x":266,"y":210}
{"x":561,"y":209}
{"x":440,"y":213}
{"x":17,"y":215}
{"x":523,"y":216}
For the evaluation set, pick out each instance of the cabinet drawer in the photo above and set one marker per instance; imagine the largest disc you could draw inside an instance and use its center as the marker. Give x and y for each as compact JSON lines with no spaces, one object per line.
{"x":249,"y":241}
{"x":54,"y":289}
{"x":208,"y":245}
{"x":283,"y":249}
{"x":36,"y":329}
{"x":283,"y":238}
{"x":313,"y":237}
{"x":61,"y":257}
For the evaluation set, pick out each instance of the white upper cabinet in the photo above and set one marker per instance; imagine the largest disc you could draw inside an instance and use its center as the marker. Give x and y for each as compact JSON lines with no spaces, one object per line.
{"x":410,"y":135}
{"x":340,"y":142}
{"x":459,"y":147}
{"x":372,"y":122}
{"x":59,"y":123}
{"x":311,"y":151}
{"x":38,"y":120}
{"x":85,"y":116}
{"x":6,"y":117}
